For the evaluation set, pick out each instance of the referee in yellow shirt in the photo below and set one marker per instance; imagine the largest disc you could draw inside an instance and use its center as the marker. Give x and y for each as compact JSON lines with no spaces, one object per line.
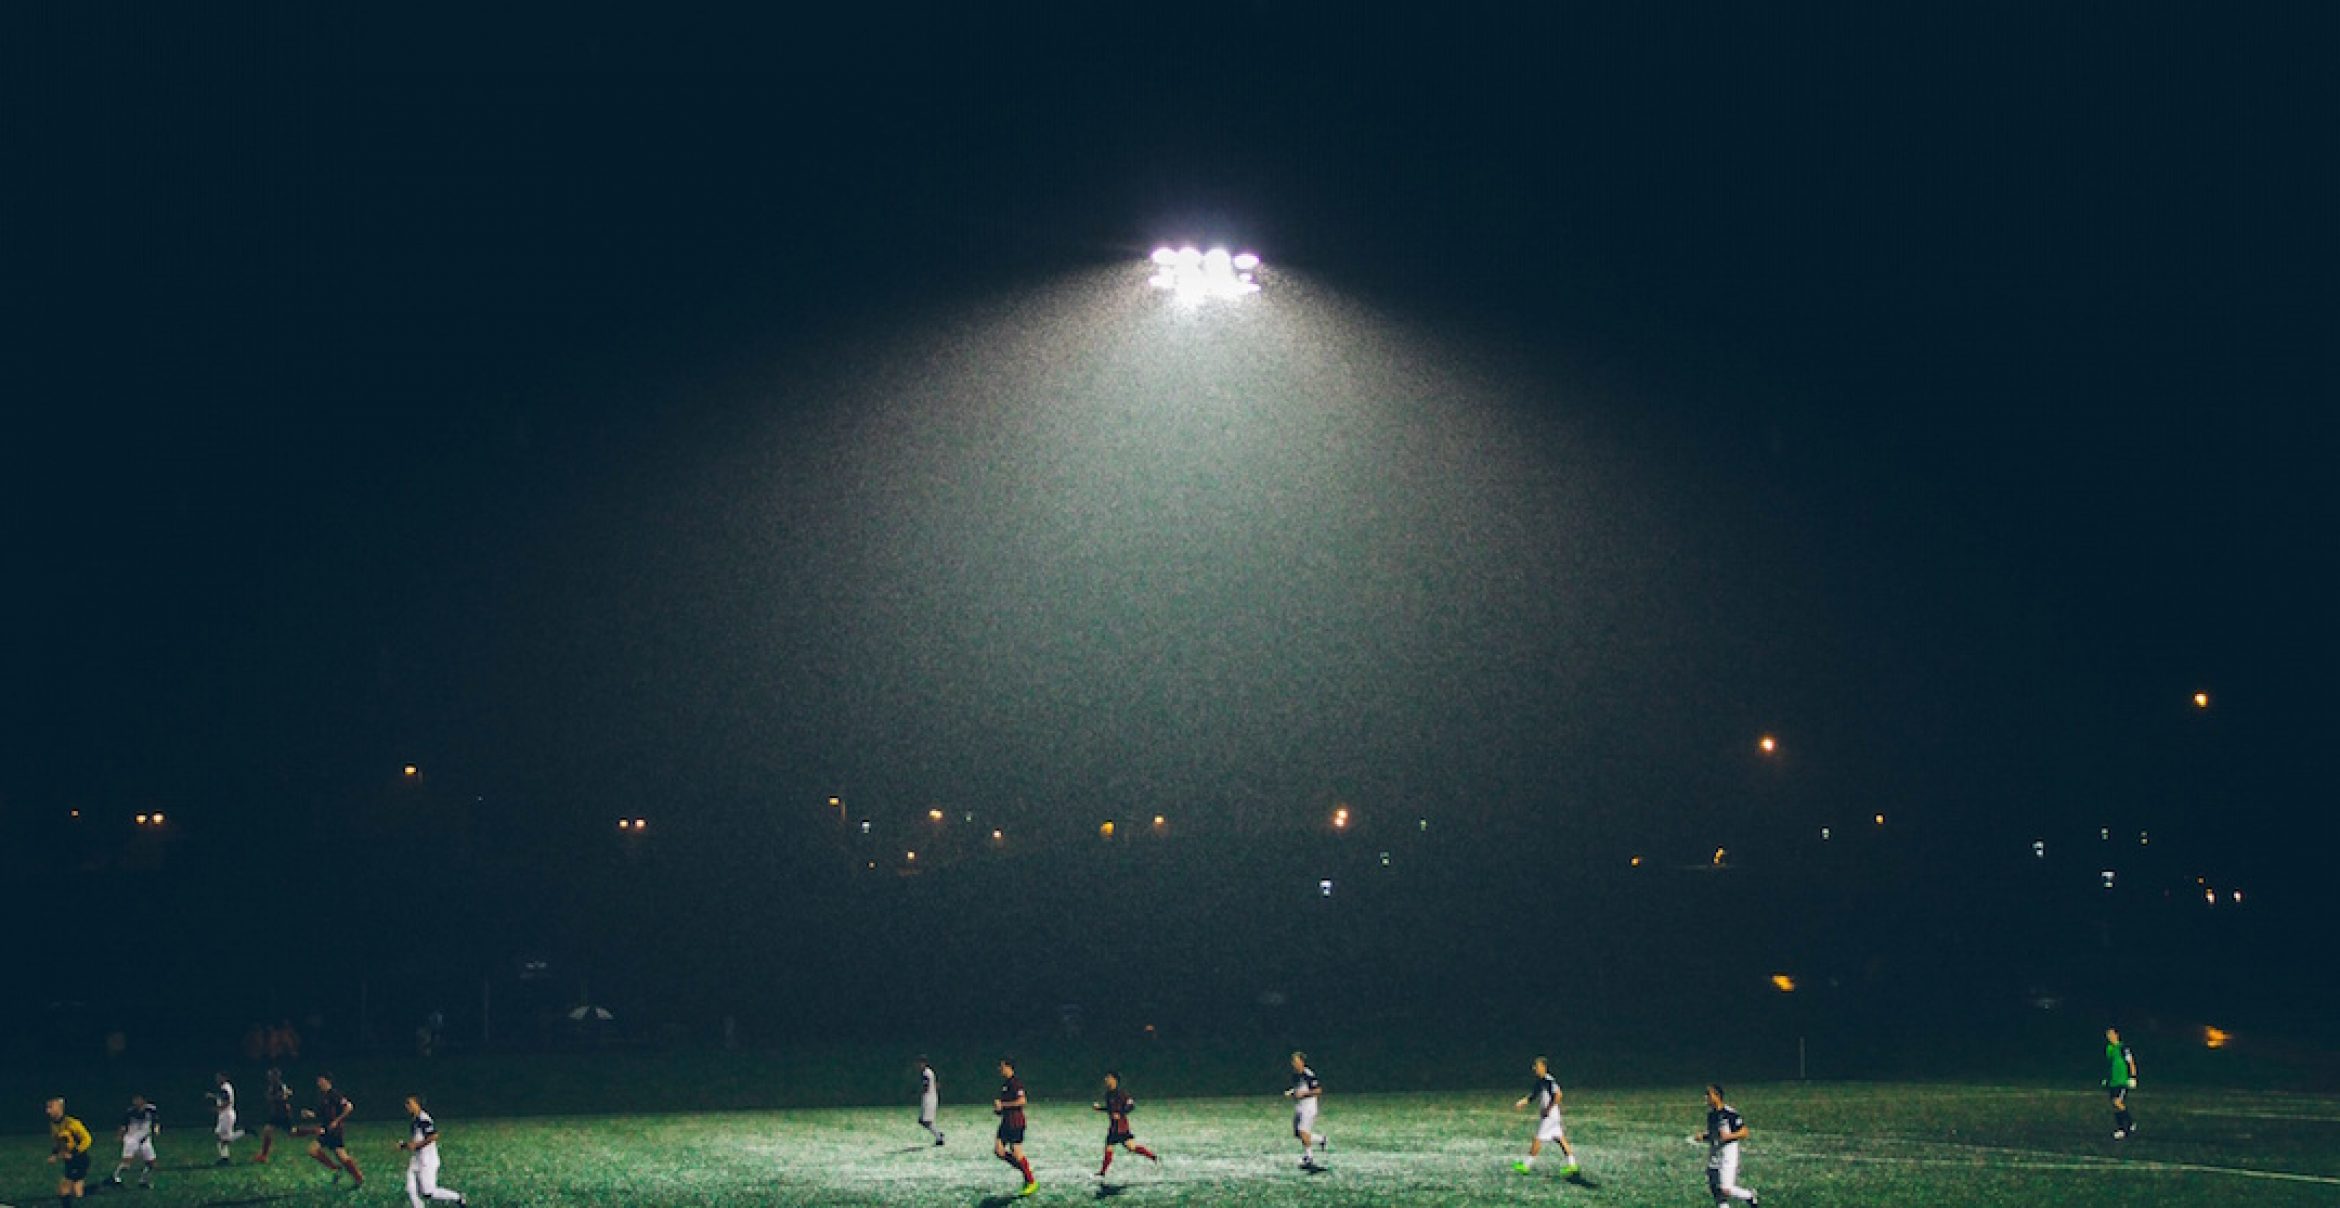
{"x":68,"y":1144}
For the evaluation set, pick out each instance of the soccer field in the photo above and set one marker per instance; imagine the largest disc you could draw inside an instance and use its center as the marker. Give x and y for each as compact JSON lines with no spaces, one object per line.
{"x":1820,"y":1144}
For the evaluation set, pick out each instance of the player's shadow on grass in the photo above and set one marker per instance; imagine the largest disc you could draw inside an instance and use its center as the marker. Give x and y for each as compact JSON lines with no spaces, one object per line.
{"x":245,"y":1201}
{"x":1106,"y":1191}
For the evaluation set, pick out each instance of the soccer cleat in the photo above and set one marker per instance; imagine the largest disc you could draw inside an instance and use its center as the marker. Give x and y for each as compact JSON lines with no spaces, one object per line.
{"x":1028,"y":1189}
{"x":1523,"y":1167}
{"x":1570,"y":1171}
{"x":2120,"y":1134}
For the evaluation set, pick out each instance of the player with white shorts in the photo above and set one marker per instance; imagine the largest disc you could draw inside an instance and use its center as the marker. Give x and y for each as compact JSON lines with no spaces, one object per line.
{"x":1306,"y":1092}
{"x":928,"y":1099}
{"x":1545,"y":1096}
{"x":223,"y":1129}
{"x":139,"y":1128}
{"x":422,"y":1158}
{"x":1724,"y":1130}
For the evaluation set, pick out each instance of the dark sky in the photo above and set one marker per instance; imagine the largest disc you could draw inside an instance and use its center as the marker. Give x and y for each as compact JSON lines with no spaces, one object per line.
{"x":600,"y":409}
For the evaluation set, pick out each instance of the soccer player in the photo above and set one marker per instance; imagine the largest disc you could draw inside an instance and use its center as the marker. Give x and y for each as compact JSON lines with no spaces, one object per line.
{"x":1307,"y":1093}
{"x":330,"y":1147}
{"x":1008,"y":1105}
{"x":422,"y":1158}
{"x":223,"y":1128}
{"x":1545,"y":1094}
{"x":1117,"y":1106}
{"x":69,"y":1144}
{"x":140,"y":1126}
{"x":280,"y":1118}
{"x":2120,"y":1077}
{"x":928,"y":1099}
{"x":1724,"y":1131}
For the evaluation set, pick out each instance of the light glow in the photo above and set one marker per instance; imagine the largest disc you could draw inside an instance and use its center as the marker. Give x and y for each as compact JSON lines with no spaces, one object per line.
{"x":1783,"y":983}
{"x":2215,"y":1038}
{"x":1191,"y":274}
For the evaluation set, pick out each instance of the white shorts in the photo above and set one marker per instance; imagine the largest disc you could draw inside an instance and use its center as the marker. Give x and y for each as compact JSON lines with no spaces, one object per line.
{"x":1549,"y":1128}
{"x":1722,"y":1170}
{"x":1304,"y":1117}
{"x":926,"y":1105}
{"x":225,"y":1129}
{"x":138,"y":1149}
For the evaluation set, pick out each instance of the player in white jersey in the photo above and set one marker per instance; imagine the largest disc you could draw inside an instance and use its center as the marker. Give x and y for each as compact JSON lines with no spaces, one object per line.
{"x":422,"y":1158}
{"x":928,"y":1099}
{"x":140,"y":1126}
{"x":223,"y":1128}
{"x":1307,"y":1093}
{"x":1724,"y":1131}
{"x":1545,"y":1095}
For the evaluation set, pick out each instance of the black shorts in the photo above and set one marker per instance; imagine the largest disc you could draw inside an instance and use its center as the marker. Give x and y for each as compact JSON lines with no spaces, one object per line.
{"x":280,"y":1117}
{"x":2114,"y":1092}
{"x":1115,"y":1136}
{"x":1011,"y":1134}
{"x":76,"y":1166}
{"x":331,"y":1139}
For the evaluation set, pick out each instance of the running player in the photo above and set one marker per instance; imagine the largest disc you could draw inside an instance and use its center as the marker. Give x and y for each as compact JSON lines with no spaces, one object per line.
{"x":422,"y":1158}
{"x":1307,"y":1092}
{"x":330,"y":1147}
{"x":2120,"y":1077}
{"x":928,"y":1099}
{"x":140,"y":1126}
{"x":69,"y":1144}
{"x":1117,"y":1106}
{"x":1724,"y":1131}
{"x":280,"y":1118}
{"x":1008,"y":1105}
{"x":1545,"y":1094}
{"x":223,"y":1128}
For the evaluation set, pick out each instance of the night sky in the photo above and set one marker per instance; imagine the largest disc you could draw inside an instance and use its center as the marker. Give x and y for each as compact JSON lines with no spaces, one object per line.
{"x":617,"y":416}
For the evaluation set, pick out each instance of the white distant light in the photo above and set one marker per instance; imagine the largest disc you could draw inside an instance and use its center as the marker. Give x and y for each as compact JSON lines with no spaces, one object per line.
{"x":1192,"y":274}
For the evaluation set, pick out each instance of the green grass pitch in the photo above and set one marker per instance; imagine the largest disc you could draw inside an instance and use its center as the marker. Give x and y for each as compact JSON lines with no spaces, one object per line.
{"x":1860,"y":1144}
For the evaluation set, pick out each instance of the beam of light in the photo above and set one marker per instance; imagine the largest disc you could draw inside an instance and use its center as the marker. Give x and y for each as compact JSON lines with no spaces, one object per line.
{"x":1193,"y":275}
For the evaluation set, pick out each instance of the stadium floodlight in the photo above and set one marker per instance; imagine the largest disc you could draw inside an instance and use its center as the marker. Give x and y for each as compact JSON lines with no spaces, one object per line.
{"x":1192,"y":274}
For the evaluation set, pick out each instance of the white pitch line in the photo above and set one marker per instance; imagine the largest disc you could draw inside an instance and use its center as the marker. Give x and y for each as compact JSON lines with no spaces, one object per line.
{"x":2147,"y":1165}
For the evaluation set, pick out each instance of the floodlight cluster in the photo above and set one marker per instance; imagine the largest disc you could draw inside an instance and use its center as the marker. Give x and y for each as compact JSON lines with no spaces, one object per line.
{"x":1189,"y":272}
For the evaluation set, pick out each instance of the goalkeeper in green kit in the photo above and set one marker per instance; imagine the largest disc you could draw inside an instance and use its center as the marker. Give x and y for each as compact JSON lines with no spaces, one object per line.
{"x":2120,"y":1077}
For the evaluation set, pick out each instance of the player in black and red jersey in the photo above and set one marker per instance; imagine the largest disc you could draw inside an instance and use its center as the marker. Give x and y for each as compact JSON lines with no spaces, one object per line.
{"x":330,"y":1147}
{"x":1117,"y":1106}
{"x":278,"y":1097}
{"x":1008,"y":1105}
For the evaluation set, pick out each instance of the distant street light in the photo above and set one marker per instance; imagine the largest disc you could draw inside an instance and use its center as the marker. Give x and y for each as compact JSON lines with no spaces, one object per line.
{"x":411,"y":772}
{"x":2201,"y":700}
{"x":1768,"y":744}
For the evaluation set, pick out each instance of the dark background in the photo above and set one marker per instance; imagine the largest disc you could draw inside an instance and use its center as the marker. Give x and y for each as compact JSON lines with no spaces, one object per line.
{"x":616,"y":416}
